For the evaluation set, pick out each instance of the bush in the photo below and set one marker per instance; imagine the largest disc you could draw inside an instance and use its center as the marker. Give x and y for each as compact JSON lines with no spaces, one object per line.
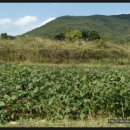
{"x":4,"y":35}
{"x":85,"y":35}
{"x":73,"y":35}
{"x":93,"y":36}
{"x":60,"y":36}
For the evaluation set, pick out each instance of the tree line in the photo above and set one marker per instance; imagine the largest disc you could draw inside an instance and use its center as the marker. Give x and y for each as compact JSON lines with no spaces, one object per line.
{"x":6,"y":36}
{"x":75,"y":35}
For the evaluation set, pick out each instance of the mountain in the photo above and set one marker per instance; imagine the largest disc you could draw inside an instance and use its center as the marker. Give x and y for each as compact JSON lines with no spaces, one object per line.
{"x":110,"y":27}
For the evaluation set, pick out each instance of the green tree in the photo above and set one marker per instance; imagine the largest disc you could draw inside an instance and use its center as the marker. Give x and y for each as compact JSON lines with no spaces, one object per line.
{"x":85,"y":35}
{"x":60,"y":36}
{"x":4,"y":35}
{"x":73,"y":35}
{"x":93,"y":35}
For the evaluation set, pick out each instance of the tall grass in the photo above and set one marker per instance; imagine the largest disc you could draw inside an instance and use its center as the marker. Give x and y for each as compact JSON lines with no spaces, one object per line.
{"x":39,"y":50}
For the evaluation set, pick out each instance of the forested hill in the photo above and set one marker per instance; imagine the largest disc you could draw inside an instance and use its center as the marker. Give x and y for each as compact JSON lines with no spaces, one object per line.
{"x":109,"y":27}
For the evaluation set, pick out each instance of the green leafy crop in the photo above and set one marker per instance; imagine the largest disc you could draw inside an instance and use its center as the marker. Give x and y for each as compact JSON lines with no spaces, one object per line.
{"x":73,"y":92}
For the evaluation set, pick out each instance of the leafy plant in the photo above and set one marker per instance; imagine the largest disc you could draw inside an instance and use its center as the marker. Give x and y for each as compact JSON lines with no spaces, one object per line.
{"x":73,"y":35}
{"x":73,"y":92}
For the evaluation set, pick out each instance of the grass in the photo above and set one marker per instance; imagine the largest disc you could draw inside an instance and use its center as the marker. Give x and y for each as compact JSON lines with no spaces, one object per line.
{"x":90,"y":122}
{"x":38,"y":50}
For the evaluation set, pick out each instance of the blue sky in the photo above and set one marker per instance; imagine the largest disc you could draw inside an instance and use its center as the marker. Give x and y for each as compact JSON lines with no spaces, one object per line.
{"x":17,"y":18}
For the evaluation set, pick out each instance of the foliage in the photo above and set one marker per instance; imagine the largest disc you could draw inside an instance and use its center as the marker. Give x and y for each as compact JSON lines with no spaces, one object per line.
{"x":60,"y":36}
{"x":93,"y":36}
{"x":6,"y":36}
{"x":71,"y":92}
{"x":85,"y":35}
{"x":73,"y":35}
{"x":115,"y":27}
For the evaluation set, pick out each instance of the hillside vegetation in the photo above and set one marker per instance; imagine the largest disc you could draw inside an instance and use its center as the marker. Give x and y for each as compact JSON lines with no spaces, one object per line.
{"x":114,"y":27}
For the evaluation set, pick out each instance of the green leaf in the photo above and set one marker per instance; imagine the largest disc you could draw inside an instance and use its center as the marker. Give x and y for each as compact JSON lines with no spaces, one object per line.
{"x":35,"y":90}
{"x":67,"y":110}
{"x":18,"y":87}
{"x":6,"y":96}
{"x":13,"y":97}
{"x":82,"y":116}
{"x":51,"y":100}
{"x":2,"y":104}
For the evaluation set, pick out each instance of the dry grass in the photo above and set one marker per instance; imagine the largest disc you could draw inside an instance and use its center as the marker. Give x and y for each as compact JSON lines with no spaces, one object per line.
{"x":91,"y":122}
{"x":40,"y":43}
{"x":39,"y":50}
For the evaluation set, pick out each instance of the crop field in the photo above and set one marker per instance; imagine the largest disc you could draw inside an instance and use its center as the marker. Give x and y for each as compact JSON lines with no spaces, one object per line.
{"x":63,"y":92}
{"x":67,"y":69}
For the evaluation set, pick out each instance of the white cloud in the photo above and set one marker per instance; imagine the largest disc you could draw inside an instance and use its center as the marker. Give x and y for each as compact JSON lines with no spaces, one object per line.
{"x":37,"y":24}
{"x":5,"y":22}
{"x":21,"y":25}
{"x":48,"y":20}
{"x":26,"y":21}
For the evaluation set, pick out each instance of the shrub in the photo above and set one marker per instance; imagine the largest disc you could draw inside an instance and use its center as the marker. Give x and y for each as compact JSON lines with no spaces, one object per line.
{"x":85,"y":35}
{"x":73,"y":35}
{"x":60,"y":36}
{"x":4,"y":35}
{"x":93,"y":35}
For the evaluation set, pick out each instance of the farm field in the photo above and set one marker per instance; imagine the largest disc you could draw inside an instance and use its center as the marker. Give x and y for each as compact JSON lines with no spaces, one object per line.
{"x":63,"y":92}
{"x":67,"y":69}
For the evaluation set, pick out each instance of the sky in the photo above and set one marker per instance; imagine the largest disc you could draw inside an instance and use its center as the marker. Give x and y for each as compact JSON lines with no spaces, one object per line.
{"x":18,"y":18}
